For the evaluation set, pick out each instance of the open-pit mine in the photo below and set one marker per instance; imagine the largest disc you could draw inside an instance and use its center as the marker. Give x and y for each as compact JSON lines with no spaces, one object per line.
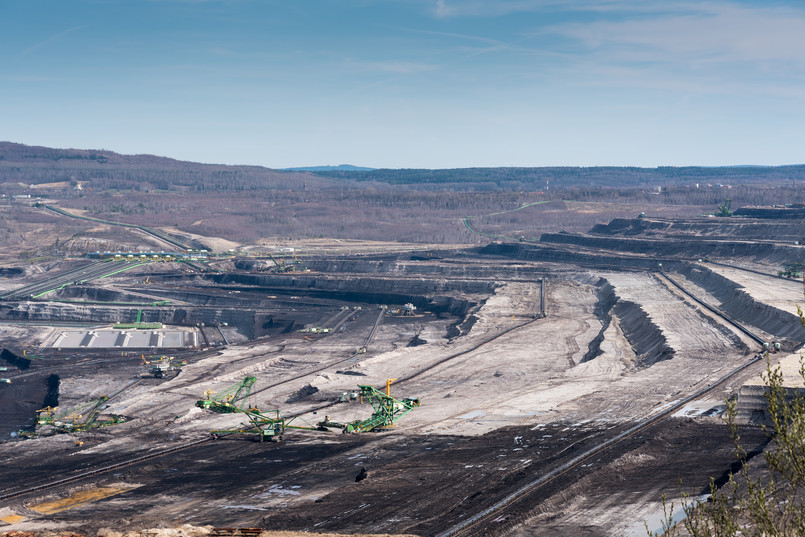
{"x":551,"y":387}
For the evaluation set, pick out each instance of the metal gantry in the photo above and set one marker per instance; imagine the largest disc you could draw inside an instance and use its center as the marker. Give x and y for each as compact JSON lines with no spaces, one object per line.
{"x":50,"y":420}
{"x":268,"y":426}
{"x":271,"y":426}
{"x":387,"y":410}
{"x":231,"y":400}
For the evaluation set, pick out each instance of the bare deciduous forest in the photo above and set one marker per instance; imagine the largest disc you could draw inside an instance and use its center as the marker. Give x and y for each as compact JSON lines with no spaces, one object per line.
{"x":246,"y":203}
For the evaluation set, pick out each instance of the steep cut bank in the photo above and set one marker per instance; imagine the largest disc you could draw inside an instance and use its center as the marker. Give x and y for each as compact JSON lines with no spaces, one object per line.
{"x":570,"y":256}
{"x":245,"y":320}
{"x":646,"y":338}
{"x":606,"y":299}
{"x":682,"y":248}
{"x":710,"y":228}
{"x":433,"y":295}
{"x":20,"y":399}
{"x":739,"y":304}
{"x":15,"y":359}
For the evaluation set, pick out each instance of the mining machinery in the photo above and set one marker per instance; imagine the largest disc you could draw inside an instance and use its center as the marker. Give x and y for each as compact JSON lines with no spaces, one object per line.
{"x":268,"y":426}
{"x":164,"y":366}
{"x":792,"y":270}
{"x":271,"y":426}
{"x":229,"y":401}
{"x":387,"y":410}
{"x":50,"y":420}
{"x":724,"y":209}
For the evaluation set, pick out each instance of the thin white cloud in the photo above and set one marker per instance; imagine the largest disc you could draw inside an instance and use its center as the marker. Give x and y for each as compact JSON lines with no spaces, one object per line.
{"x":49,"y":40}
{"x":492,"y":45}
{"x":727,"y":34}
{"x":714,"y":48}
{"x":498,"y":8}
{"x":27,"y":78}
{"x":395,"y":66}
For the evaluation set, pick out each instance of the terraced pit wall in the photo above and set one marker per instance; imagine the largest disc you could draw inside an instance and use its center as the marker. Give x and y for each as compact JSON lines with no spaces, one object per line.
{"x":547,"y":253}
{"x":245,"y":320}
{"x":712,"y":228}
{"x":454,"y":268}
{"x":687,"y":249}
{"x":438,"y":296}
{"x":739,"y":304}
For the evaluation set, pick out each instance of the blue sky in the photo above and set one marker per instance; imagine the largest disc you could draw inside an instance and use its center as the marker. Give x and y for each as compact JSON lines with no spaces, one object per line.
{"x":409,"y":83}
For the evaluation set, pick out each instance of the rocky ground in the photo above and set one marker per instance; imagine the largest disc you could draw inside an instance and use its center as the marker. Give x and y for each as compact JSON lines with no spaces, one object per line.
{"x":508,"y":395}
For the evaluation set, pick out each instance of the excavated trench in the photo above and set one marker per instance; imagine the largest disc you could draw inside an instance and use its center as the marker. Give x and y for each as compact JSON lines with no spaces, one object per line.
{"x":646,"y":338}
{"x":11,"y":272}
{"x":19,"y":401}
{"x":603,"y":306}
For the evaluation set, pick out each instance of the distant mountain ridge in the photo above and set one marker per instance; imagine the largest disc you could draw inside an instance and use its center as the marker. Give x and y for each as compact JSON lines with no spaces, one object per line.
{"x":14,"y":152}
{"x":22,"y":165}
{"x":339,"y":168}
{"x":25,"y":165}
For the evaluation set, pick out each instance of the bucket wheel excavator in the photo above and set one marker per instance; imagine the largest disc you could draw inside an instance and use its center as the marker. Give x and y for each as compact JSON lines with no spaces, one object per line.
{"x":229,"y":401}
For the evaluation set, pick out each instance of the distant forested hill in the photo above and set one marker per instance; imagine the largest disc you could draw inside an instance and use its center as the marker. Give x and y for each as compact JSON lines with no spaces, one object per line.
{"x":339,"y":168}
{"x":23,"y":165}
{"x":104,"y":170}
{"x":248,"y":203}
{"x":568,"y":177}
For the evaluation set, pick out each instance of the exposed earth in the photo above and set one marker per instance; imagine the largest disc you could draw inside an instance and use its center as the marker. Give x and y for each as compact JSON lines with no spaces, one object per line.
{"x":568,"y":408}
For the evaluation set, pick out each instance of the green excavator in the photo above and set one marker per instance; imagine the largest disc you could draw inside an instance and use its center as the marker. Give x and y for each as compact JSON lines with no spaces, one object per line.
{"x":271,"y":426}
{"x":267,"y":426}
{"x":233,"y":399}
{"x":725,"y":208}
{"x":387,"y":410}
{"x":53,"y":420}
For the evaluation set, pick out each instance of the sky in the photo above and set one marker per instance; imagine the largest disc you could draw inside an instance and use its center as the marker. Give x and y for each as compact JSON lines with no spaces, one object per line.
{"x":409,"y":83}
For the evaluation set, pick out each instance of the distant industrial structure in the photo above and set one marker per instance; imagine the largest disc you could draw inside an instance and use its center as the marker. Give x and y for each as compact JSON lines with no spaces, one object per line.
{"x":195,"y":255}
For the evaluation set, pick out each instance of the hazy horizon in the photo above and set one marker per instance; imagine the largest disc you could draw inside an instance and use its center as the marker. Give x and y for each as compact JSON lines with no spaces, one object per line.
{"x":410,"y":83}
